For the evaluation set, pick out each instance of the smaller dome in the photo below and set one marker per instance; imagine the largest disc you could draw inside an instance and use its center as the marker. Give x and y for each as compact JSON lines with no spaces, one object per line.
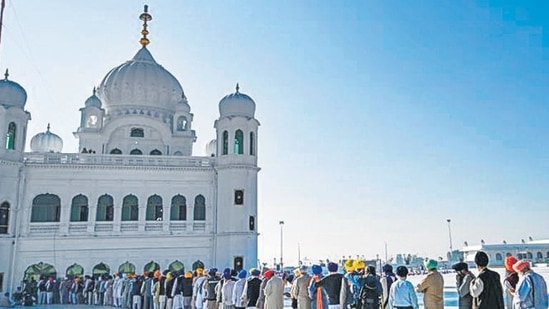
{"x":237,"y":104}
{"x":11,"y":93}
{"x":93,"y":101}
{"x":183,"y":105}
{"x":46,"y":142}
{"x":211,"y":148}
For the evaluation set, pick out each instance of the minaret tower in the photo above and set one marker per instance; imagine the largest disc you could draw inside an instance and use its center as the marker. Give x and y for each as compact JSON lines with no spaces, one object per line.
{"x":13,"y":119}
{"x":236,"y":167}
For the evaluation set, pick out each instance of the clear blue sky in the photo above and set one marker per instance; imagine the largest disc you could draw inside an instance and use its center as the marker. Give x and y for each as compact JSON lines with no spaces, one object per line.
{"x":380,"y":119}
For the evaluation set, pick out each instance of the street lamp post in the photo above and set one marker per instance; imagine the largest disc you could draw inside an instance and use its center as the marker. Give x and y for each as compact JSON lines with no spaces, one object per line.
{"x":450,"y":235}
{"x":281,"y":245}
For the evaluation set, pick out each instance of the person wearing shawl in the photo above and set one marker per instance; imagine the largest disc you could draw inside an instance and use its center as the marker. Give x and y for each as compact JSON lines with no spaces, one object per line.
{"x":317,"y":293}
{"x":531,"y":291}
{"x":348,"y":299}
{"x":356,"y":280}
{"x":274,"y":291}
{"x":386,"y":281}
{"x":198,"y":289}
{"x":432,"y":286}
{"x":299,"y":289}
{"x":335,"y":285}
{"x":463,"y":280}
{"x":252,"y":289}
{"x":238,"y":290}
{"x":510,"y":282}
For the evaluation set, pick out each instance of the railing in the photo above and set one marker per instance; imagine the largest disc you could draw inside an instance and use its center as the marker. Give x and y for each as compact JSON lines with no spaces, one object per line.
{"x":199,"y":226}
{"x":153,"y":226}
{"x":103,"y":227}
{"x":78,"y":228}
{"x":128,"y":227}
{"x":178,"y":226}
{"x":124,"y":160}
{"x":44,"y":228}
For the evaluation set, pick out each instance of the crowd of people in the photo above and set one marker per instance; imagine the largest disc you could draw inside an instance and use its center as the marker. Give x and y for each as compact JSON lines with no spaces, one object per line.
{"x":360,"y":287}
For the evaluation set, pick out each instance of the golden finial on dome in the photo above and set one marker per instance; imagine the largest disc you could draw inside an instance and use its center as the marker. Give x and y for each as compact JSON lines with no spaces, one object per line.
{"x":145,"y":17}
{"x":6,"y":75}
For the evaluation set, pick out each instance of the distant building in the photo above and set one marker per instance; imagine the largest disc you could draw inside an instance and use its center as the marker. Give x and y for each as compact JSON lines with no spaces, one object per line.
{"x":536,"y":251}
{"x":133,"y":198}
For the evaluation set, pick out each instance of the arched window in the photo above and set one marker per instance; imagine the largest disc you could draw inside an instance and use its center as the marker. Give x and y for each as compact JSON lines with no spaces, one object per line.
{"x":225,"y":142}
{"x":156,"y":152}
{"x":252,"y":144}
{"x":529,"y":255}
{"x":116,"y":151}
{"x":105,"y":208}
{"x":539,"y":255}
{"x":154,"y":208}
{"x":10,"y":136}
{"x":178,"y":153}
{"x":181,"y":123}
{"x":4,"y":217}
{"x":199,"y":208}
{"x":46,"y":208}
{"x":238,"y":142}
{"x":79,"y":208}
{"x":136,"y":152}
{"x":137,"y":132}
{"x":499,"y":257}
{"x":547,"y":254}
{"x":130,"y":208}
{"x":178,"y":211}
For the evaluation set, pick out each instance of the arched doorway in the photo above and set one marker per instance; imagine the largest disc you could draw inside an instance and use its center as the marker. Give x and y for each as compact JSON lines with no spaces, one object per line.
{"x":126,"y":268}
{"x":41,"y":269}
{"x":151,"y":267}
{"x":75,"y":270}
{"x":176,"y":266}
{"x":101,"y":269}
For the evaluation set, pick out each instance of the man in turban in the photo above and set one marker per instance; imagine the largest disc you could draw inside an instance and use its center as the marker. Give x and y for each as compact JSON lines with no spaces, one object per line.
{"x":274,"y":291}
{"x":432,"y":286}
{"x":486,"y":288}
{"x":463,"y":280}
{"x":531,"y":291}
{"x":299,"y":289}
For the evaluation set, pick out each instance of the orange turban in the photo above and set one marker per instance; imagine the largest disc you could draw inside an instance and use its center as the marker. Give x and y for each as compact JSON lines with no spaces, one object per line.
{"x":509,"y":262}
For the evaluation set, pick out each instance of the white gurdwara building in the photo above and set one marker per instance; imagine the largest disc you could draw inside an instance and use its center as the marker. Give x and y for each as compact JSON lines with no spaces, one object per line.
{"x":134,"y":197}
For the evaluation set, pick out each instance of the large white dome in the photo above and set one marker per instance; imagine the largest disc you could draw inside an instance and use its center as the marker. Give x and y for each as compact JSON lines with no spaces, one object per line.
{"x":140,"y":82}
{"x":11,"y":93}
{"x":46,"y":142}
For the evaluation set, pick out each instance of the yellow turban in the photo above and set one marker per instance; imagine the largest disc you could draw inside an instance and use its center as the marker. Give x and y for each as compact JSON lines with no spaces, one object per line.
{"x":359,"y":264}
{"x":349,"y":265}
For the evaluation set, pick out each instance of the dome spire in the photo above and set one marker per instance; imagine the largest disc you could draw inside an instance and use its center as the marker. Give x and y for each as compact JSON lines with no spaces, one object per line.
{"x":94,"y":90}
{"x":145,"y":17}
{"x":48,"y":129}
{"x":237,"y":88}
{"x":6,"y":74}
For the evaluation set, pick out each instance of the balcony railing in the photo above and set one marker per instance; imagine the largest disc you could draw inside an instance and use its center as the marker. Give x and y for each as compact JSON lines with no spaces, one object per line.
{"x":123,"y":160}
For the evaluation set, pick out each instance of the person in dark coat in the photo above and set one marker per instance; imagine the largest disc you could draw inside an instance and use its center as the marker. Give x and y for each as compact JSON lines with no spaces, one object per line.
{"x":486,"y":289}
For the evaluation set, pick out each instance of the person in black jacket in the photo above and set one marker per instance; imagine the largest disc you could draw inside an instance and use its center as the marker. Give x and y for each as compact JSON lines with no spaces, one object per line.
{"x":332,"y":284}
{"x":486,"y":289}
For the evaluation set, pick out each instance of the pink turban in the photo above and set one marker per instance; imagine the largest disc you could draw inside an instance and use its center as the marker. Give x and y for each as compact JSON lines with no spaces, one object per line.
{"x":521,"y":265}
